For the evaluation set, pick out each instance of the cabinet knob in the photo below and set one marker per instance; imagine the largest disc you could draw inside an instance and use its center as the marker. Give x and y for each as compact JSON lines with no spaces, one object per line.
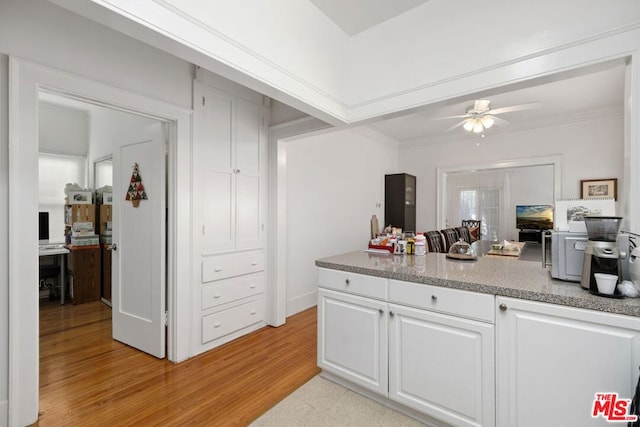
{"x":434,"y":298}
{"x":216,"y":325}
{"x":347,"y":281}
{"x":503,"y":307}
{"x":113,"y":247}
{"x":217,"y":269}
{"x":216,"y":296}
{"x":381,"y":311}
{"x":391,"y":313}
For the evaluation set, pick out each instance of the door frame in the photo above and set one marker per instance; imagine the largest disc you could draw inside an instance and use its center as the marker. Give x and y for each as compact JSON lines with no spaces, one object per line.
{"x":26,"y":79}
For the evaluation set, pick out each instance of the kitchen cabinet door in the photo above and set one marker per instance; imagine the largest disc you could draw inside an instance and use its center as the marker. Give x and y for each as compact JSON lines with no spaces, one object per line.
{"x":442,"y":366}
{"x":352,"y":339}
{"x":552,"y":360}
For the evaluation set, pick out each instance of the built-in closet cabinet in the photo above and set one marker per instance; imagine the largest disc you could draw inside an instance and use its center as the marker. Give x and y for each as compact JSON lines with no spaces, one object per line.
{"x":229,"y":208}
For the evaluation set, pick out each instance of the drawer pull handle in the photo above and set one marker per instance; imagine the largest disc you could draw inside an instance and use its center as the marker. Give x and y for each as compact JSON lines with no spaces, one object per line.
{"x":216,"y":296}
{"x":217,"y":269}
{"x":253,"y":286}
{"x":253,"y":312}
{"x":503,"y":307}
{"x":434,"y":298}
{"x":216,"y":325}
{"x":254,"y":262}
{"x":348,"y":282}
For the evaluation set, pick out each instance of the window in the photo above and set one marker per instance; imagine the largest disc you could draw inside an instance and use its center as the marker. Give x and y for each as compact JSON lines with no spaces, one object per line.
{"x":483,"y":204}
{"x":56,"y":171}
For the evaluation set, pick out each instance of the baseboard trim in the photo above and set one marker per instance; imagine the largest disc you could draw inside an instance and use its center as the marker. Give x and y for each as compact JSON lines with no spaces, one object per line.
{"x":301,"y":303}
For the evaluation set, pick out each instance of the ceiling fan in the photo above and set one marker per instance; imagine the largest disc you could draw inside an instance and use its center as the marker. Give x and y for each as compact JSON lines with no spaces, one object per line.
{"x":480,"y":116}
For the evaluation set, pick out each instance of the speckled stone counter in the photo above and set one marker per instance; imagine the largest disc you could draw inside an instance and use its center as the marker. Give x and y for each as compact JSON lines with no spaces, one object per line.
{"x":490,"y":275}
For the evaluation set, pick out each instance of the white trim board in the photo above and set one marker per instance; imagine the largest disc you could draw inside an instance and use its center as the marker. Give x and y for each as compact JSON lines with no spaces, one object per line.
{"x":279,"y":136}
{"x":25,"y":80}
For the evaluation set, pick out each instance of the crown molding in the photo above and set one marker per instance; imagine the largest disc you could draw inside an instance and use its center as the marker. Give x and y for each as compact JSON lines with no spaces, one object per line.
{"x":245,"y":49}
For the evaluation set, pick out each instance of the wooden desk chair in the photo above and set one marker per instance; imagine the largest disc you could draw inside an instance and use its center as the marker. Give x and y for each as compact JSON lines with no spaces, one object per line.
{"x":464,"y":233}
{"x":450,"y":237}
{"x":434,"y":241}
{"x":475,"y":227}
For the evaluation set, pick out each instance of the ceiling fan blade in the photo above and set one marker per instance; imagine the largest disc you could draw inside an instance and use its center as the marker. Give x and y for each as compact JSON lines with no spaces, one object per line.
{"x":498,"y":120}
{"x":527,"y":106}
{"x":451,"y":117}
{"x":460,"y":123}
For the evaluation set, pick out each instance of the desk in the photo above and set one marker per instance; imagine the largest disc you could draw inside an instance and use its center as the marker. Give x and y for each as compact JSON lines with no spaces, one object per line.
{"x":61,"y":254}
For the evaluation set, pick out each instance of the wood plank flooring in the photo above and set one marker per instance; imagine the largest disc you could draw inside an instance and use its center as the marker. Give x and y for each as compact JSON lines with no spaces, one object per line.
{"x":86,"y":378}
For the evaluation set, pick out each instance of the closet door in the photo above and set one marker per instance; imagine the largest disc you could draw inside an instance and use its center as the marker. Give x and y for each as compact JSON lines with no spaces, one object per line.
{"x":249,"y":140}
{"x":214,"y":172}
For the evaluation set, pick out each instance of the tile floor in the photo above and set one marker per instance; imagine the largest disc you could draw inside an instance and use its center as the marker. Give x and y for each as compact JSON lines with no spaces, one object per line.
{"x":321,"y":402}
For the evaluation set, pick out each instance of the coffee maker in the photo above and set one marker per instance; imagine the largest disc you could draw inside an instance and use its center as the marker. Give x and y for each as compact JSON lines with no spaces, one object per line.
{"x":601,"y":253}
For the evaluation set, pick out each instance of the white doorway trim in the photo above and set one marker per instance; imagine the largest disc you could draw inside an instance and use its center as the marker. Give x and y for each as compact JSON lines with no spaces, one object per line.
{"x":26,"y":79}
{"x":279,"y":136}
{"x":441,"y":182}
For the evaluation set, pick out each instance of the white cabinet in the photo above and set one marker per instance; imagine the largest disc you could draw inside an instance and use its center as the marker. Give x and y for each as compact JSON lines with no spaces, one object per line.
{"x":408,"y":342}
{"x":552,"y":360}
{"x":229,"y":207}
{"x":229,"y":160}
{"x":352,"y":338}
{"x":442,"y":365}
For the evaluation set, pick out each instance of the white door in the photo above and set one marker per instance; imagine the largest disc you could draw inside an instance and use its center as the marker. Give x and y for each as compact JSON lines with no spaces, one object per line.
{"x":138,"y":270}
{"x":442,"y":365}
{"x":352,"y":339}
{"x":552,"y":360}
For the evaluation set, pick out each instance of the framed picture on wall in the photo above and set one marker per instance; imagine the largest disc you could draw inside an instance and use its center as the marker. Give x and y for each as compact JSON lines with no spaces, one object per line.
{"x":598,"y":188}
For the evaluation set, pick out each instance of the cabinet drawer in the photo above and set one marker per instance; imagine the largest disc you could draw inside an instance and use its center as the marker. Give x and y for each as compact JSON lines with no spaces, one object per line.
{"x":230,"y":265}
{"x":368,"y":286}
{"x":228,"y":290}
{"x":451,"y":301}
{"x":219,"y":324}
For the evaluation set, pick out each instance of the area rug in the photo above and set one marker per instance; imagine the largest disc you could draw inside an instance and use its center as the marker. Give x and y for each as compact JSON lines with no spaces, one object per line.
{"x":321,"y":402}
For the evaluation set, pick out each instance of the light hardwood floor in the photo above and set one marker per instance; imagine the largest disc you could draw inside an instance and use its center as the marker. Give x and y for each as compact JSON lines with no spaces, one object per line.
{"x":86,"y":378}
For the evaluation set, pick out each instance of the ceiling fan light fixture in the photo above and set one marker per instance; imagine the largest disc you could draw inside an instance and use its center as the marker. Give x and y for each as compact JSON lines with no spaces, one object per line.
{"x":477,"y":127}
{"x":487,"y":122}
{"x":468,"y":125}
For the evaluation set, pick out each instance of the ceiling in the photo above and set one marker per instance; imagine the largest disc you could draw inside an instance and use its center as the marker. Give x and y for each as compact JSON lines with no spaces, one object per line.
{"x":575,"y":96}
{"x":355,"y":16}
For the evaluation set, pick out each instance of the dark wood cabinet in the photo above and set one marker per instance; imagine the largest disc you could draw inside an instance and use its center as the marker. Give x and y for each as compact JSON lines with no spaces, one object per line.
{"x":84,"y":266}
{"x":106,"y":272}
{"x":400,"y":201}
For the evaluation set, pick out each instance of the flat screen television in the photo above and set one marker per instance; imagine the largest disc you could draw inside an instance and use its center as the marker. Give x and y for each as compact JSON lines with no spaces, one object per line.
{"x":534,"y":217}
{"x":43,"y":227}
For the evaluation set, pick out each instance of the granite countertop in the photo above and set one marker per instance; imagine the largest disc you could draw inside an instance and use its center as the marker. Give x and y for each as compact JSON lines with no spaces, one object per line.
{"x":490,"y":275}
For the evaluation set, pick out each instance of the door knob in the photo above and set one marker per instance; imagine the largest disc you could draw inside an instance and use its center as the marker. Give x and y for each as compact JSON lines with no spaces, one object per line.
{"x":113,"y":247}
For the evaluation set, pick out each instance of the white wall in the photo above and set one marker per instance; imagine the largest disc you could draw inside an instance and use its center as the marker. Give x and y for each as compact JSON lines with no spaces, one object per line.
{"x":105,"y":125}
{"x":335,"y":182}
{"x":590,"y":150}
{"x":4,"y":231}
{"x":41,"y":32}
{"x":62,"y":130}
